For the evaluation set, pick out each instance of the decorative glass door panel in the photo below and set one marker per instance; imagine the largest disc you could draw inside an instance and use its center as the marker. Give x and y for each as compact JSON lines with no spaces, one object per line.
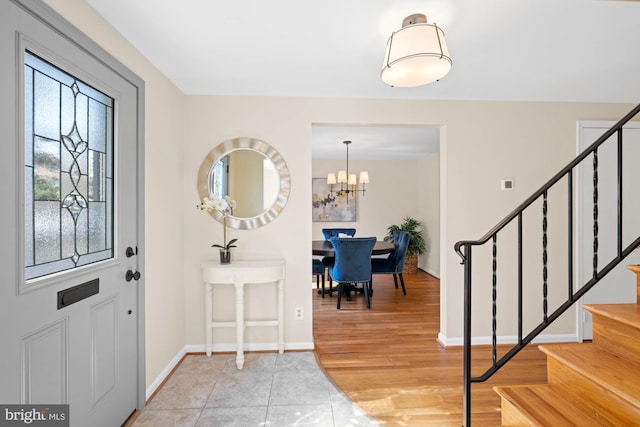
{"x":68,"y":171}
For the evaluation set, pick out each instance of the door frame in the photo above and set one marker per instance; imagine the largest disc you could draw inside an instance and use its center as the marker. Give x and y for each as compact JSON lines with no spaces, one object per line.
{"x":50,"y":18}
{"x":581,"y":145}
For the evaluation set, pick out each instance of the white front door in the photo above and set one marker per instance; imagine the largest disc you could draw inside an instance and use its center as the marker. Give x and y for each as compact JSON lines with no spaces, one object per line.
{"x":69,"y":320}
{"x":619,"y":286}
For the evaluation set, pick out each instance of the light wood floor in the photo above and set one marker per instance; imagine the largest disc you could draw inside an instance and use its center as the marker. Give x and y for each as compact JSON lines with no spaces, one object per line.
{"x":389,"y":362}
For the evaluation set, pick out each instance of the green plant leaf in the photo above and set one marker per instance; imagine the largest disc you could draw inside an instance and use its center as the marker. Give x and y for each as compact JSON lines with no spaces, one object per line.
{"x":227,"y":246}
{"x":417,"y":244}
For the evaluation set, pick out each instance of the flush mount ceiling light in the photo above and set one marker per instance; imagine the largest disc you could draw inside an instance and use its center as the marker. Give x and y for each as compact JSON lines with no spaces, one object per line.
{"x":416,"y":54}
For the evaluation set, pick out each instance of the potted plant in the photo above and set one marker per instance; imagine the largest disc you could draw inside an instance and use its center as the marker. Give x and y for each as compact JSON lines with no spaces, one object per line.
{"x":225,"y":207}
{"x":417,"y":245}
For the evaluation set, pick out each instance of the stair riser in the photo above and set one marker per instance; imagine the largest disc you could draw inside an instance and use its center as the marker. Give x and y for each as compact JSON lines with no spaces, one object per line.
{"x":590,"y":397}
{"x":617,"y":338}
{"x":539,"y":405}
{"x":512,"y":417}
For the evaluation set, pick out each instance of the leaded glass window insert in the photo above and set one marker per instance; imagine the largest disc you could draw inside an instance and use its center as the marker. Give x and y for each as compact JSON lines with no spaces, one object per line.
{"x":68,"y":178}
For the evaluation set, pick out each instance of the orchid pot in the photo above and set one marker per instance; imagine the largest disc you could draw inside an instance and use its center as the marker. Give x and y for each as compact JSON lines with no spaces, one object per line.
{"x":225,"y":207}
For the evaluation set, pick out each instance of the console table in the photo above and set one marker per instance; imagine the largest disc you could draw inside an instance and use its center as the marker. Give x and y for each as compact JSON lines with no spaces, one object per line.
{"x":241,"y":273}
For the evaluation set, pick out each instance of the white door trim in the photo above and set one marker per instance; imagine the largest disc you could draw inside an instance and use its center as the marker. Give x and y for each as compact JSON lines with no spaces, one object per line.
{"x":581,"y":145}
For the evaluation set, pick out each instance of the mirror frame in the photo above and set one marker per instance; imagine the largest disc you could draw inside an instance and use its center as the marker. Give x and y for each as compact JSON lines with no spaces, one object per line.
{"x":270,"y":153}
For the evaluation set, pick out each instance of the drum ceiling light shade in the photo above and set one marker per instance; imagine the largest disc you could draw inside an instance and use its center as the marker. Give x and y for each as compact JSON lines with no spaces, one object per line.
{"x":416,"y":54}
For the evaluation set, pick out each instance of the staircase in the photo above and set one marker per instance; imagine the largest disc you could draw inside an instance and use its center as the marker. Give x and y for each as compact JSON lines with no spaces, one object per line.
{"x":589,"y":384}
{"x":592,"y":398}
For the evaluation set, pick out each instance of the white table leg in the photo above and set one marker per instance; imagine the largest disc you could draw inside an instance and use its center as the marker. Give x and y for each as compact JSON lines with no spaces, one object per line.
{"x":281,"y":316}
{"x":239,"y":321}
{"x":208,"y":309}
{"x":255,"y":272}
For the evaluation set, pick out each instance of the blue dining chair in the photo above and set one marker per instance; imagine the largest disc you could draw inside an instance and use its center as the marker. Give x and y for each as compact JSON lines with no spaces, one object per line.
{"x":394,"y":263}
{"x":318,"y":270}
{"x":328,"y":233}
{"x":352,"y":264}
{"x":335,"y":232}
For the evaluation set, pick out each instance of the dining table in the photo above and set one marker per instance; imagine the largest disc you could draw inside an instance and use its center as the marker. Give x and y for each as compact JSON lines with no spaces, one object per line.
{"x":325,"y":248}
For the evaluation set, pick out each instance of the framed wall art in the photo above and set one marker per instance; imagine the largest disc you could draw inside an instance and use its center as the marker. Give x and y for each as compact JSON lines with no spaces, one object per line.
{"x":331,"y":207}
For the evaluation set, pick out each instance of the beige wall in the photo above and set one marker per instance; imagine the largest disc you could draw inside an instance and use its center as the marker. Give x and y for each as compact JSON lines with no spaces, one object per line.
{"x":481,"y":143}
{"x":213,"y":120}
{"x":429,"y":207}
{"x":165,"y":309}
{"x":486,"y":142}
{"x":398,"y":188}
{"x":390,"y":195}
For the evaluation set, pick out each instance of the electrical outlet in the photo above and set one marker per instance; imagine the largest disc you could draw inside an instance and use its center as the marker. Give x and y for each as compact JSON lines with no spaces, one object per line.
{"x":298,"y":313}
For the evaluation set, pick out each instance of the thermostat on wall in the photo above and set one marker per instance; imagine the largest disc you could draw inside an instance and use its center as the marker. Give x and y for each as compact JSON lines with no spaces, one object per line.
{"x":507,"y":184}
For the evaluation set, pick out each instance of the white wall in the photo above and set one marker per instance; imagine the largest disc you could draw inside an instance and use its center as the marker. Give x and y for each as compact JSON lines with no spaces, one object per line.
{"x":481,"y":143}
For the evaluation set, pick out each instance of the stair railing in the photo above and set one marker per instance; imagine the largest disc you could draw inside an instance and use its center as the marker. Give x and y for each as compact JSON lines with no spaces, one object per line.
{"x":464,"y":250}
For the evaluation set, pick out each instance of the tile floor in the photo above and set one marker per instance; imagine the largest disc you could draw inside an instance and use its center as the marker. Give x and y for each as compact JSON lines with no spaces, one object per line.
{"x":273,"y":390}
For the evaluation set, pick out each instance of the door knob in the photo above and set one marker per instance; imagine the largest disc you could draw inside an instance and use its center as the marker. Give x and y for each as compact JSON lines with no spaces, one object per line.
{"x":131,"y":275}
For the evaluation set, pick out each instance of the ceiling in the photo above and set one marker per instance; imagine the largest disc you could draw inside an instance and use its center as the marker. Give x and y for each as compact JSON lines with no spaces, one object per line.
{"x":374,"y":142}
{"x":525,"y":50}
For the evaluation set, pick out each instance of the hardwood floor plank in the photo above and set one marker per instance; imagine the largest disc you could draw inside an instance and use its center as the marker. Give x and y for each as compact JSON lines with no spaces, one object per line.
{"x":388,"y":360}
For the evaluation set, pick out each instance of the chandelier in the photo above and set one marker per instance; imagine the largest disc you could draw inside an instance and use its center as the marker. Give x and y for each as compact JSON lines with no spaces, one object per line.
{"x":416,"y":54}
{"x":348,"y":182}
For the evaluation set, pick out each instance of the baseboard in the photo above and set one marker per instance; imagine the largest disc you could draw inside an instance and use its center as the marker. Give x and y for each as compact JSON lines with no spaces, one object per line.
{"x":487,"y":340}
{"x":165,"y":373}
{"x":231,"y":347}
{"x":430,"y":271}
{"x":218,"y":348}
{"x":299,"y":346}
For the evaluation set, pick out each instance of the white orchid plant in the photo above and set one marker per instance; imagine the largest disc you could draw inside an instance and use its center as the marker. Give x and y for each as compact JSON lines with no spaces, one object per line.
{"x":225,"y":206}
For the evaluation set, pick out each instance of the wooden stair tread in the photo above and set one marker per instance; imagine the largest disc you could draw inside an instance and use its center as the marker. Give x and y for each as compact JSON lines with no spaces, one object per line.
{"x":628,"y":314}
{"x":617,"y":374}
{"x":543,"y":406}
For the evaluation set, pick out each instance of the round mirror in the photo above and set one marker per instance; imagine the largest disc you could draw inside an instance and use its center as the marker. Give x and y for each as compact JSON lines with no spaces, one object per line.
{"x":252,"y":173}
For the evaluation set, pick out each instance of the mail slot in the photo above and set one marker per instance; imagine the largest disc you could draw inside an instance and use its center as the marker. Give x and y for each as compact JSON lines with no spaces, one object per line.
{"x":78,"y":293}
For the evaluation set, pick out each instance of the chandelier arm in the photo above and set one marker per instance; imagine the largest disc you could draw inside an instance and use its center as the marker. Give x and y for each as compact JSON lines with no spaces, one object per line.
{"x":345,"y":186}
